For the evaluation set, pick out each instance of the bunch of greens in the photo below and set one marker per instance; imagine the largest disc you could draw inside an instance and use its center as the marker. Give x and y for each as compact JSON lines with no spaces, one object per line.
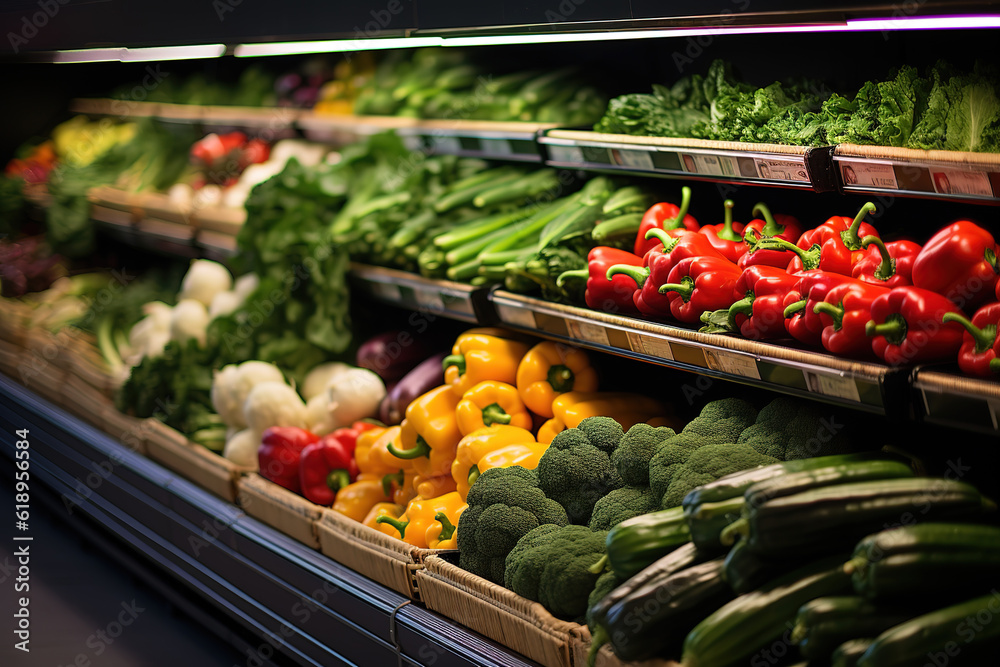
{"x":153,"y":159}
{"x":721,"y":107}
{"x":443,"y":83}
{"x":946,"y":110}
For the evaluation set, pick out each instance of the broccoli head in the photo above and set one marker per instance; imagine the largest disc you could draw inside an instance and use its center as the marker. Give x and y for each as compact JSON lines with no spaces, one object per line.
{"x":622,"y":504}
{"x":719,"y":422}
{"x":637,"y":447}
{"x":577,"y":473}
{"x":788,"y":429}
{"x":551,"y":565}
{"x":709,"y":463}
{"x":504,"y":505}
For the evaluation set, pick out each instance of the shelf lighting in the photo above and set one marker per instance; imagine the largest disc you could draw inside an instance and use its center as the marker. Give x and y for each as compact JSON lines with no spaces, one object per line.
{"x":334,"y":46}
{"x":851,"y":25}
{"x":192,"y":52}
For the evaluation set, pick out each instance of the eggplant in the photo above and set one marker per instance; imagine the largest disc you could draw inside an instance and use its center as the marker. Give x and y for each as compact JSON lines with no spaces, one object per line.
{"x":392,"y":354}
{"x":427,"y":375}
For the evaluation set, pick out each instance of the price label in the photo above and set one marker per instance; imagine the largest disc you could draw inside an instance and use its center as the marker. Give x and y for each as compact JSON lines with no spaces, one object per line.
{"x":657,"y":347}
{"x":835,"y":386}
{"x":634,"y":159}
{"x":571,"y":154}
{"x":868,"y":174}
{"x":733,"y":364}
{"x":995,"y":412}
{"x":781,"y":170}
{"x":516,"y":316}
{"x":387,"y":291}
{"x":588,"y":331}
{"x":496,"y":146}
{"x":444,"y":144}
{"x":430,"y":299}
{"x":959,"y":182}
{"x":635,"y":342}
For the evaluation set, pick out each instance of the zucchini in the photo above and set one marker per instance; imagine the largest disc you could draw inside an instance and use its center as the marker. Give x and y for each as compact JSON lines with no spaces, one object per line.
{"x":737,"y":483}
{"x":474,"y":229}
{"x":625,"y":225}
{"x":848,"y":653}
{"x":636,"y":543}
{"x":816,"y":478}
{"x":833,"y":517}
{"x":823,"y":624}
{"x":675,"y":561}
{"x":886,"y":564}
{"x":458,"y":197}
{"x":527,"y":187}
{"x":940,"y":636}
{"x":752,"y":622}
{"x":707,"y":521}
{"x":656,"y":617}
{"x":630,"y":199}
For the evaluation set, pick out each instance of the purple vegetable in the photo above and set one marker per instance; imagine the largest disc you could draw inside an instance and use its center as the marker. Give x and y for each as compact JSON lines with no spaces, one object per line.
{"x":392,"y":354}
{"x":427,"y":375}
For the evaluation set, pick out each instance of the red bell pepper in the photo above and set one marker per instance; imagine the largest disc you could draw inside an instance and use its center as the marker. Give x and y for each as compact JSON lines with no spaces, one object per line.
{"x":780,"y":226}
{"x":844,"y":313}
{"x":835,"y":245}
{"x":700,"y":284}
{"x":886,"y":264}
{"x":980,"y":351}
{"x":608,"y":293}
{"x":960,"y":262}
{"x":758,"y":312}
{"x":801,"y":322}
{"x":727,"y":237}
{"x":328,"y":465}
{"x":659,"y":261}
{"x":280,"y":454}
{"x":907,"y":326}
{"x":668,"y":217}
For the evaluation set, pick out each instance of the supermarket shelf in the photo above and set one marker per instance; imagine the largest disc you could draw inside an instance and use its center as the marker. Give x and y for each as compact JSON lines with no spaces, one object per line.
{"x":511,"y":141}
{"x":950,"y":399}
{"x":970,"y":177}
{"x":304,"y":609}
{"x":772,"y":165}
{"x":457,"y":301}
{"x":865,"y":386}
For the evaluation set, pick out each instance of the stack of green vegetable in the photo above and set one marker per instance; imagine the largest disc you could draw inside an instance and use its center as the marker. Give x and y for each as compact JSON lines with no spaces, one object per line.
{"x":447,"y":217}
{"x":444,"y":83}
{"x":718,"y":601}
{"x":597,"y":478}
{"x":945,"y":109}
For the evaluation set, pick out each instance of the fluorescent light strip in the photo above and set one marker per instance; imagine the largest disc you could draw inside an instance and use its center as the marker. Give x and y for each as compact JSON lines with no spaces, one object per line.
{"x":334,"y":46}
{"x":86,"y":56}
{"x":858,"y":25}
{"x":174,"y":52}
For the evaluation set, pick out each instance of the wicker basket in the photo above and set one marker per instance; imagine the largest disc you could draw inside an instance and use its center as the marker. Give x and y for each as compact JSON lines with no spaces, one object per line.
{"x":208,"y":470}
{"x":80,"y":357}
{"x":279,"y":508}
{"x":383,"y":558}
{"x":520,"y":624}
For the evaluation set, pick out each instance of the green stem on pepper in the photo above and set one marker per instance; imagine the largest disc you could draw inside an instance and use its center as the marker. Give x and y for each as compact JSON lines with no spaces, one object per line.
{"x":561,"y":378}
{"x":678,"y":222}
{"x":638,"y":274}
{"x":684,"y":288}
{"x":850,"y":236}
{"x":894,"y":329}
{"x":415,"y":452}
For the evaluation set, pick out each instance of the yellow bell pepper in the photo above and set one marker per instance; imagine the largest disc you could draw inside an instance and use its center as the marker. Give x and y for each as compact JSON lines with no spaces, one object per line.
{"x":491,"y":403}
{"x":432,"y":487}
{"x":382,"y":509}
{"x":478,"y":357}
{"x":429,"y":433}
{"x":549,"y":430}
{"x":550,"y":369}
{"x":475,"y":446}
{"x":356,"y":500}
{"x":573,"y":407}
{"x":413,"y":525}
{"x":371,"y":451}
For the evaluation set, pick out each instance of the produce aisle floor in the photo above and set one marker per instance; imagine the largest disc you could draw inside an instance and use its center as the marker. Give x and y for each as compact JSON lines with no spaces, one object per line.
{"x":87,"y":611}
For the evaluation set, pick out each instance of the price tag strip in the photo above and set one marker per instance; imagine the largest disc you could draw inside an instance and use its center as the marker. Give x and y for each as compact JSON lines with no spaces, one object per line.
{"x":948,"y":180}
{"x":834,"y":386}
